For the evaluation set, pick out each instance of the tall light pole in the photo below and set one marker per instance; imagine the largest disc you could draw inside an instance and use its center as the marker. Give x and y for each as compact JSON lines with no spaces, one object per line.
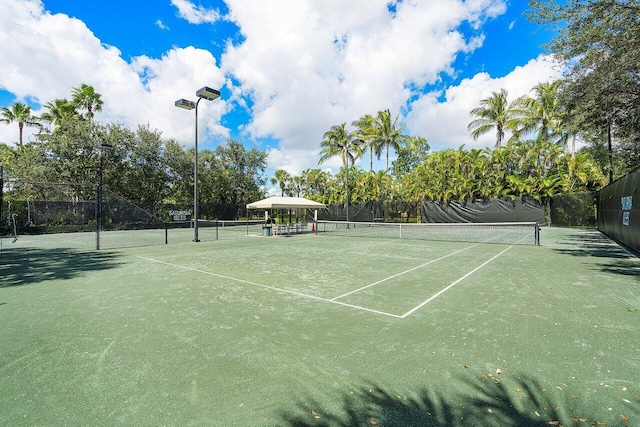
{"x":208,"y":94}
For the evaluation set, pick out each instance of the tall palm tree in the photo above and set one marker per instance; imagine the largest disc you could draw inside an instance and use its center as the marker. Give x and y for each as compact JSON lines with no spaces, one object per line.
{"x":364,"y":131}
{"x":337,"y":141}
{"x":59,"y":112}
{"x":542,"y":114}
{"x":385,"y":132}
{"x":21,"y":114}
{"x":85,"y":97}
{"x":494,"y":112}
{"x":282,"y":178}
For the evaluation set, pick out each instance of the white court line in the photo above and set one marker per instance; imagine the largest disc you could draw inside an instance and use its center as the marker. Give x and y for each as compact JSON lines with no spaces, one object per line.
{"x":436,"y":295}
{"x":401,"y":273}
{"x":271,"y":287}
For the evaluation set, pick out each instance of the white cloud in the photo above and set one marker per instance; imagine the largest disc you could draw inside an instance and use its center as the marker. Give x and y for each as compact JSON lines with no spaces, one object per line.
{"x":301,"y":67}
{"x":444,"y":124}
{"x":195,"y":14}
{"x":50,"y":54}
{"x":161,"y":25}
{"x":328,"y":62}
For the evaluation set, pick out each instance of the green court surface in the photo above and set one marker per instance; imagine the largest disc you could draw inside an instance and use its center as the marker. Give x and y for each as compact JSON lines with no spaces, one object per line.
{"x":313,"y":330}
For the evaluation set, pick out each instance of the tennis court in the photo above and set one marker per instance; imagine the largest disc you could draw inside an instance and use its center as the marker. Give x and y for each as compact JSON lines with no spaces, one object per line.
{"x":323,"y":330}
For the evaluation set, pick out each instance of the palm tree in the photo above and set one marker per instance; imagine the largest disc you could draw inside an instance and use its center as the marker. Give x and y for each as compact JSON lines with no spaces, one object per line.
{"x":364,"y":130}
{"x":494,"y":112}
{"x":542,"y":113}
{"x":340,"y":142}
{"x":282,"y":178}
{"x":385,"y":132}
{"x":337,"y":141}
{"x":21,"y":114}
{"x":87,"y":98}
{"x":59,"y":112}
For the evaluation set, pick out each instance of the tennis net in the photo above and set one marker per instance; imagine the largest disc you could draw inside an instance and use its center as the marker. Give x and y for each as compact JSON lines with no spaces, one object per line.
{"x":231,"y":228}
{"x":215,"y":229}
{"x":510,"y":233}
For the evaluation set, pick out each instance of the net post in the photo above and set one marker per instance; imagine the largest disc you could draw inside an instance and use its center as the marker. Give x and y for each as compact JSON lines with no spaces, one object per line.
{"x":166,"y":233}
{"x":315,"y":220}
{"x":537,"y":234}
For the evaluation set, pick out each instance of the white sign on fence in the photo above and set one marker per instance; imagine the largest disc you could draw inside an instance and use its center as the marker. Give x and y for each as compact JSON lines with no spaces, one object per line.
{"x":180,"y":215}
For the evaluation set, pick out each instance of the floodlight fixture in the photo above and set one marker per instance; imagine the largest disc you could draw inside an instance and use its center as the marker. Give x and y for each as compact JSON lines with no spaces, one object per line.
{"x":208,"y":93}
{"x":185,"y":103}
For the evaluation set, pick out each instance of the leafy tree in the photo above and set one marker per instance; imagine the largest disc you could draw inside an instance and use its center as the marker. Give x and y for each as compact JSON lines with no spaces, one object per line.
{"x":72,"y":156}
{"x":21,"y":114}
{"x":179,"y":165}
{"x":410,"y":157}
{"x":373,"y":186}
{"x":243,"y":171}
{"x":144,"y":164}
{"x":215,"y":184}
{"x":315,"y":183}
{"x":597,"y":40}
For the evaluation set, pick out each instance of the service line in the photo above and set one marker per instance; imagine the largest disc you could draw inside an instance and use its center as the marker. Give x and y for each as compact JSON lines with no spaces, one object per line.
{"x":402,"y":272}
{"x":436,"y":295}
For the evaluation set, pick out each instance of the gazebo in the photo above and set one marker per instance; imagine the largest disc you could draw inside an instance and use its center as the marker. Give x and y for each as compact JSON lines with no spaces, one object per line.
{"x":285,"y":203}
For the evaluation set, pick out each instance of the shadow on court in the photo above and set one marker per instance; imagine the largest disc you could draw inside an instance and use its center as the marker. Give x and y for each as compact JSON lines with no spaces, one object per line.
{"x":29,"y":266}
{"x":612,"y":258}
{"x":489,"y":404}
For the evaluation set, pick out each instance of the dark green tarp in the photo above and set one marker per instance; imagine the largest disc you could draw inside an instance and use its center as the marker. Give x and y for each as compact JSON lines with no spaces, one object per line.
{"x":484,"y":211}
{"x":619,"y":210}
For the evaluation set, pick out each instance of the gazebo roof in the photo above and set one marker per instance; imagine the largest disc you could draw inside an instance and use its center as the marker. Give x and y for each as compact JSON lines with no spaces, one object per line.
{"x":284,"y":203}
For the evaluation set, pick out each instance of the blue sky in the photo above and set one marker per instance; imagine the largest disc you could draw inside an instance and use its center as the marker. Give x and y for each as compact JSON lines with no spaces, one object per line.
{"x":287,"y":69}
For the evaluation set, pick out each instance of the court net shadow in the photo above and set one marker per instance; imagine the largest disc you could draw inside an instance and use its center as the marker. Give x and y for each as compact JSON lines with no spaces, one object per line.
{"x":489,"y":403}
{"x":29,"y":266}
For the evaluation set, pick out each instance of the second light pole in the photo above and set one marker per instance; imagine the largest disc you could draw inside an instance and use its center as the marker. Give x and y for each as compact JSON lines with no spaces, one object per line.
{"x":208,"y":94}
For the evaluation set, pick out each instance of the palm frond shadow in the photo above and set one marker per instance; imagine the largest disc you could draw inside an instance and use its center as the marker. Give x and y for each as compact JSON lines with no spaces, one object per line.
{"x":487,"y":402}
